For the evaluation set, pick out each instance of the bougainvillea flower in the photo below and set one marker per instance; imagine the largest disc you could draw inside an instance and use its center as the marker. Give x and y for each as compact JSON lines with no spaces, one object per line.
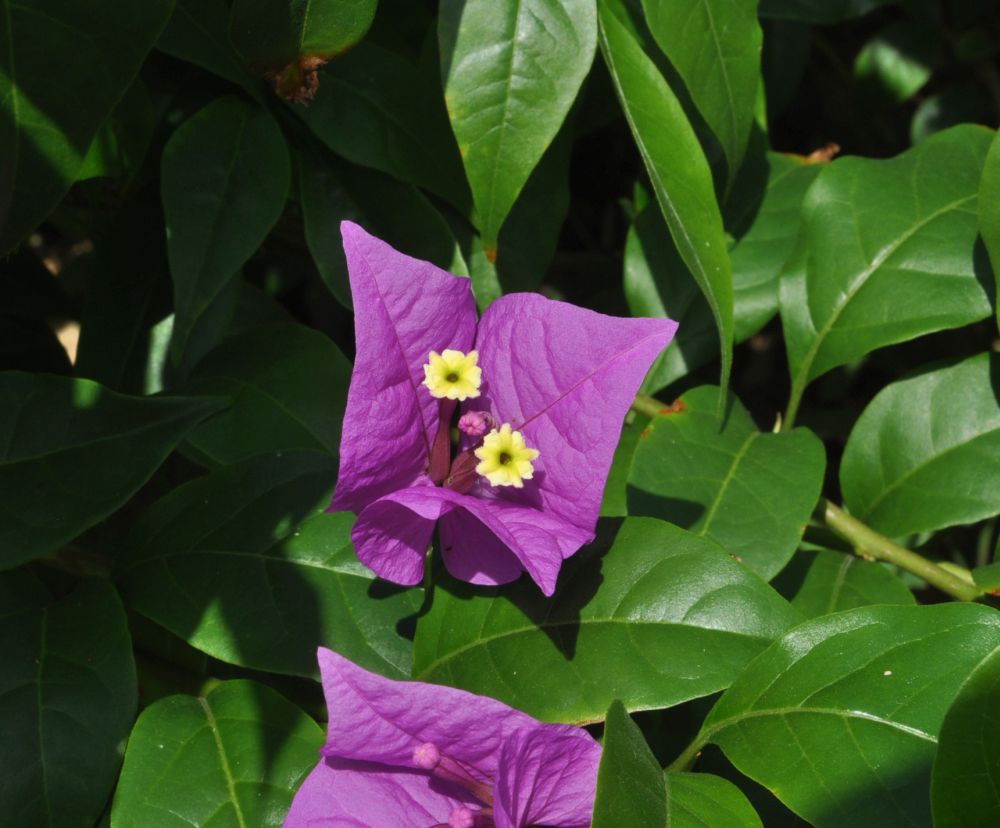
{"x":549,"y":381}
{"x":404,"y":754}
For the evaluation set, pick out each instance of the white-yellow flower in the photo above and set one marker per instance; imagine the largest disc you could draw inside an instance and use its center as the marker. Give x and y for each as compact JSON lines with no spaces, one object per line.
{"x":506,"y":460}
{"x":453,"y":375}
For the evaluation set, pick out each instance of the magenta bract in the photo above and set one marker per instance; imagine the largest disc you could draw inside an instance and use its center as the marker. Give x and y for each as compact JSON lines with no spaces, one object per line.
{"x":561,"y":375}
{"x":412,"y":755}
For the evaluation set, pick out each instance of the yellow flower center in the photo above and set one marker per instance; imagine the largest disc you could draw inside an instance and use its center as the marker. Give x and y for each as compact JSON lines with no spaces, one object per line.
{"x":505,"y":459}
{"x":453,"y":375}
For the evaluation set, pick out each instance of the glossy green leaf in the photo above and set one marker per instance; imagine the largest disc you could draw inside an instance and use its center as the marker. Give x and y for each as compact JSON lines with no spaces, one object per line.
{"x":886,"y":254}
{"x":855,"y":700}
{"x":225,"y":176}
{"x":821,"y":581}
{"x":67,"y":699}
{"x":633,"y":790}
{"x":287,"y":385}
{"x":925,"y":453}
{"x":989,"y":208}
{"x":246,"y":565}
{"x":63,"y":67}
{"x":231,"y":758}
{"x":381,"y":109}
{"x":715,"y":47}
{"x":650,"y":614}
{"x":271,"y":34}
{"x":75,"y":452}
{"x":511,"y":69}
{"x":720,"y":477}
{"x":676,"y":165}
{"x":332,"y":191}
{"x":965,"y":784}
{"x":819,"y":11}
{"x":198,"y":32}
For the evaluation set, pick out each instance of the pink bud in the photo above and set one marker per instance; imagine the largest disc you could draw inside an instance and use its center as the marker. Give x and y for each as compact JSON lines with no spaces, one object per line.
{"x":476,"y":423}
{"x":427,"y":756}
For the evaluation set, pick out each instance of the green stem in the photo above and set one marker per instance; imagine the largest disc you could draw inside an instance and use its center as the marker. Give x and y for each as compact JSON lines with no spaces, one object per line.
{"x":870,"y":543}
{"x":647,"y":406}
{"x":788,"y":422}
{"x":686,"y":760}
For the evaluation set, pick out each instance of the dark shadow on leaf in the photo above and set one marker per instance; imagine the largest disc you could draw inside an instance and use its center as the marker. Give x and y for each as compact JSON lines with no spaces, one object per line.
{"x":683,"y":513}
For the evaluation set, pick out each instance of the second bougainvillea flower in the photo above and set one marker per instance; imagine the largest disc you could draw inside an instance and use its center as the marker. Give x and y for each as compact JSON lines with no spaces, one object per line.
{"x":404,"y":754}
{"x":543,"y":388}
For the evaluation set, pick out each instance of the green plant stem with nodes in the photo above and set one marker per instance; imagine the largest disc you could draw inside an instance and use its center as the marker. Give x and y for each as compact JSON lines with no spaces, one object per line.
{"x":647,"y":406}
{"x":869,"y":543}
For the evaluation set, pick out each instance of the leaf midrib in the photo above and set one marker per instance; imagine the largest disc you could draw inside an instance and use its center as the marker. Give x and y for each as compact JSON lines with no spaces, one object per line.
{"x":223,"y":761}
{"x":859,"y":281}
{"x":631,"y":623}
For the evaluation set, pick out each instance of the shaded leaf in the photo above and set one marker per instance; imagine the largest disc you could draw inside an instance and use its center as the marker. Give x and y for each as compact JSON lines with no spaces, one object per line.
{"x":821,"y":581}
{"x":287,"y":385}
{"x":225,"y":176}
{"x":989,"y":208}
{"x":856,"y":701}
{"x":198,"y":32}
{"x":676,"y":165}
{"x":715,"y":47}
{"x":75,"y":452}
{"x":246,"y":565}
{"x":233,"y":757}
{"x":66,"y":64}
{"x":379,"y":109}
{"x":633,"y":790}
{"x":886,"y":253}
{"x":720,"y":477}
{"x":924,"y":454}
{"x":511,"y":70}
{"x":965,"y":785}
{"x":67,"y":699}
{"x":651,"y":615}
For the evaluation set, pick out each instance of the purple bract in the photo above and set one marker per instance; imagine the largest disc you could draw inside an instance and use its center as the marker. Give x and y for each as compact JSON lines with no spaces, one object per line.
{"x":560,"y":376}
{"x":412,"y":755}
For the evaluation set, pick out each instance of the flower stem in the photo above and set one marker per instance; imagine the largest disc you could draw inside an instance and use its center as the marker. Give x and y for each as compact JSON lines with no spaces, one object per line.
{"x":868,"y":542}
{"x":685,"y":761}
{"x":794,"y":399}
{"x":646,"y":405}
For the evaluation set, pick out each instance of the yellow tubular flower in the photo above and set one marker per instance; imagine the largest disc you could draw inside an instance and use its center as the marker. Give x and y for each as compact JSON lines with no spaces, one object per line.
{"x":506,"y":460}
{"x":453,"y":375}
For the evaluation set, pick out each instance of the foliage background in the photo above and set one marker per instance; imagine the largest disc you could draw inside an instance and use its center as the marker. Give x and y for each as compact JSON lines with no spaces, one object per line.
{"x":792,"y":589}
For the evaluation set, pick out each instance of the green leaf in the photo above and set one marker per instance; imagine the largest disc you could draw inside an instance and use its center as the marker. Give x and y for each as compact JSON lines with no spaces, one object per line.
{"x":198,"y":32}
{"x":965,"y":783}
{"x":511,"y":70}
{"x":886,"y":254}
{"x":67,"y":699}
{"x":818,"y":11}
{"x":632,"y":789}
{"x":272,"y":34}
{"x":379,"y":109}
{"x":630,"y":785}
{"x":75,"y":452}
{"x":225,"y":176}
{"x":714,"y":45}
{"x":893,"y":66}
{"x":720,"y":477}
{"x":635,"y":618}
{"x":332,"y":191}
{"x":63,"y":68}
{"x":657,"y":283}
{"x":924,"y":454}
{"x":676,"y":165}
{"x":989,"y":208}
{"x":288,"y":387}
{"x":119,"y":147}
{"x":821,"y":581}
{"x":855,"y":702}
{"x":246,"y":565}
{"x":234,"y":757}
